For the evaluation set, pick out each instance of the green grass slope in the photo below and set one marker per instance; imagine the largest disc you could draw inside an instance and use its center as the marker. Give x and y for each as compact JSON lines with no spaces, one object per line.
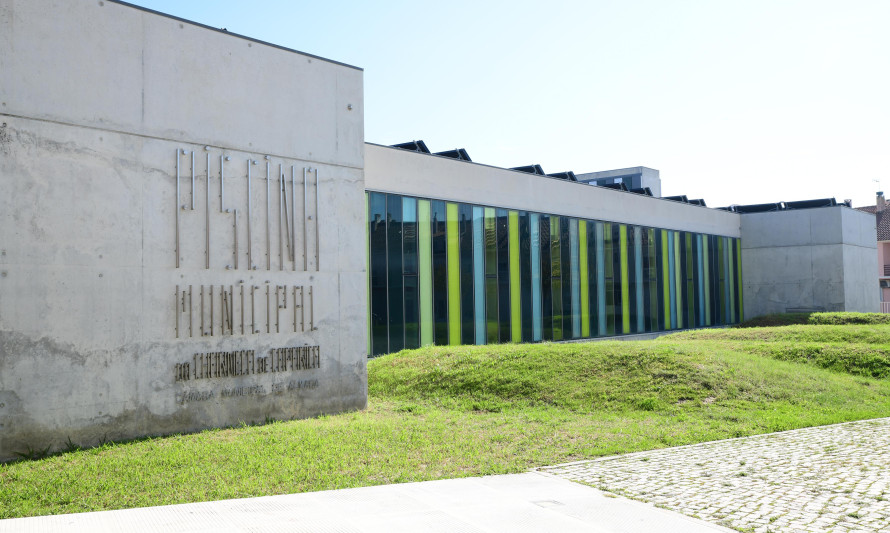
{"x":862,"y":350}
{"x":787,"y":319}
{"x":459,"y":411}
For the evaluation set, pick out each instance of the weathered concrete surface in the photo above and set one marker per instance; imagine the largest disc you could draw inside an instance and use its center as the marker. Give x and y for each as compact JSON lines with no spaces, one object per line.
{"x":809,"y":259}
{"x":510,"y":503}
{"x":427,"y":176}
{"x":110,"y":66}
{"x":98,"y":102}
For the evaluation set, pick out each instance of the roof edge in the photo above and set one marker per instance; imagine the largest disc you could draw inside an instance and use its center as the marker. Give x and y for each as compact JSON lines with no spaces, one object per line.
{"x":233,"y":34}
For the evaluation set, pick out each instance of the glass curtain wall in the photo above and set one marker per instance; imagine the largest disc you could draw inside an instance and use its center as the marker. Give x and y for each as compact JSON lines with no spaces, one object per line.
{"x":450,"y":273}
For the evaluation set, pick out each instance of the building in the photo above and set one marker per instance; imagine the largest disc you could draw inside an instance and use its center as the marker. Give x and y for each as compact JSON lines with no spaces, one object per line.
{"x":188,"y":242}
{"x":513,"y":255}
{"x":882,"y":223}
{"x":631,"y":178}
{"x":504,"y":255}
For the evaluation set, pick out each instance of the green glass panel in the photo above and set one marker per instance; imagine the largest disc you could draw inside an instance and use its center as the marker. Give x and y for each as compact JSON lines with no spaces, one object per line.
{"x":453,"y":240}
{"x":678,"y":282}
{"x":515,"y":294}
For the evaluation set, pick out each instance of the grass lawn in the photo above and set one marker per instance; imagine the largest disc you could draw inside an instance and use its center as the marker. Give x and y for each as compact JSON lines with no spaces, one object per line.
{"x":462,"y":411}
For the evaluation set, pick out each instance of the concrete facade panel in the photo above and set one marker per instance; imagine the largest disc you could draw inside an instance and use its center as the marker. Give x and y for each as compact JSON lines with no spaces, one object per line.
{"x":793,"y":228}
{"x":807,"y":260}
{"x":860,"y":292}
{"x":102,"y":335}
{"x":97,"y":81}
{"x":138,"y":72}
{"x":858,"y":227}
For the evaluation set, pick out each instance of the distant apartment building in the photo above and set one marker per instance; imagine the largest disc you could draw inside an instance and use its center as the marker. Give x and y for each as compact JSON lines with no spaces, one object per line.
{"x":882,"y":224}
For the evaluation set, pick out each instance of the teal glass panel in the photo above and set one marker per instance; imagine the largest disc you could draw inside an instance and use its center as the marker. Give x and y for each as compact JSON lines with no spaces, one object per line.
{"x":671,"y":278}
{"x":535,"y":253}
{"x":601,"y":279}
{"x":479,"y":273}
{"x":576,"y":277}
{"x":409,"y":268}
{"x":395,"y":273}
{"x":491,"y":276}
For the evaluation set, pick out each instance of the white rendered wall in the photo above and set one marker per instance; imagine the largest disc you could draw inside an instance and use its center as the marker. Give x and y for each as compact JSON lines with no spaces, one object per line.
{"x":410,"y":173}
{"x":97,"y":101}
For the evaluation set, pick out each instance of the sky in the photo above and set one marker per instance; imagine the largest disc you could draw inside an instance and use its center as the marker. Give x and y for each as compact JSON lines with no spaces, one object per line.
{"x":733,"y":101}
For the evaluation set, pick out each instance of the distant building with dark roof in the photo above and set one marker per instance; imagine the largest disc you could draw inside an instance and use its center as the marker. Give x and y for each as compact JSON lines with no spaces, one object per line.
{"x":881,"y":211}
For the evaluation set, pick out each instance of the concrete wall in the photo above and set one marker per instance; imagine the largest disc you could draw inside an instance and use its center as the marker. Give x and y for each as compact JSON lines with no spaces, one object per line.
{"x":427,"y":176}
{"x":812,"y":259}
{"x":100,"y":331}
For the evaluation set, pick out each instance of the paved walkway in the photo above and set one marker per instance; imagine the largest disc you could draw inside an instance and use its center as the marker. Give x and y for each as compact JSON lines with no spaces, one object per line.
{"x":829,"y":478}
{"x":514,"y":503}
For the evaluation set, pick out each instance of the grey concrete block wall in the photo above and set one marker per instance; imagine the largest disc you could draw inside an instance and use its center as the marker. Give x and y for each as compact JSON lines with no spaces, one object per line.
{"x":809,"y":259}
{"x":98,"y":101}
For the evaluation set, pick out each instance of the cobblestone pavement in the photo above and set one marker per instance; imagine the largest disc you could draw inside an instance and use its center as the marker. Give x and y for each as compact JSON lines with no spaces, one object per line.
{"x":829,"y":478}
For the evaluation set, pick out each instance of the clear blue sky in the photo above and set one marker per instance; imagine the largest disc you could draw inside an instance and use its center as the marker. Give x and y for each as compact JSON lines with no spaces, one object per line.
{"x":735,"y":101}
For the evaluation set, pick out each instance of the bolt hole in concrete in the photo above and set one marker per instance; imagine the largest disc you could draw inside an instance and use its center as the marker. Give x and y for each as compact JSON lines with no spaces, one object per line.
{"x":548,"y":503}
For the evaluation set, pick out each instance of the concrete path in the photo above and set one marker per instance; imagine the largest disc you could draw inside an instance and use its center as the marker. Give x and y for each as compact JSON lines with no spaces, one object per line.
{"x":822,"y":479}
{"x":511,"y":503}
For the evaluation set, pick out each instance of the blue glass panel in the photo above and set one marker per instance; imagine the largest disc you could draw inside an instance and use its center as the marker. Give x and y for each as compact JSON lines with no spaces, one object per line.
{"x":601,"y":278}
{"x":503,"y":233}
{"x":537,"y":317}
{"x":576,"y":278}
{"x":479,"y":274}
{"x":546,"y":279}
{"x":395,"y":273}
{"x":467,"y":292}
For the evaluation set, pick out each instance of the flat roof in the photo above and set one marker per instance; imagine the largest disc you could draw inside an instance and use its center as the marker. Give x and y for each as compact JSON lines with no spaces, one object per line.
{"x":238,"y":35}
